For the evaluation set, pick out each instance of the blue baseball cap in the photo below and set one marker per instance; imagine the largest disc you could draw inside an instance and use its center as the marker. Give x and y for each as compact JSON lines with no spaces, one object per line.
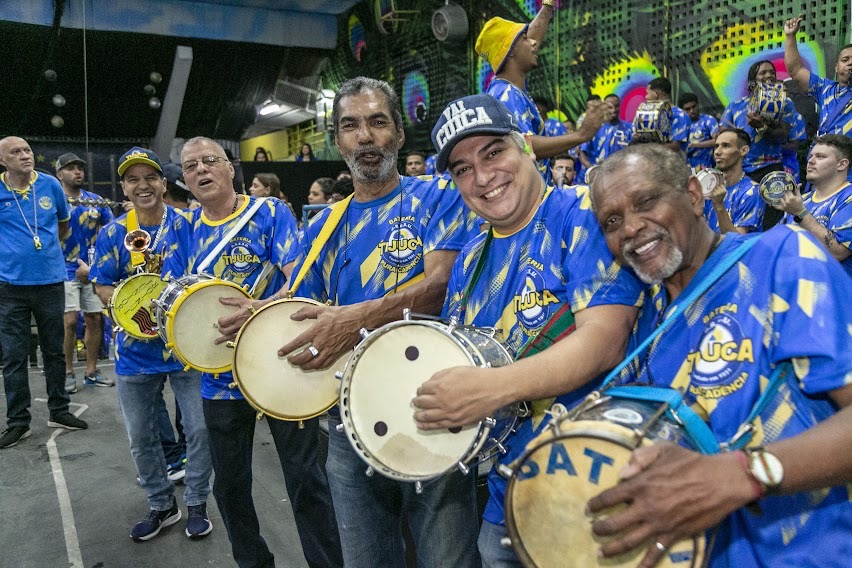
{"x":474,"y":114}
{"x":137,"y":155}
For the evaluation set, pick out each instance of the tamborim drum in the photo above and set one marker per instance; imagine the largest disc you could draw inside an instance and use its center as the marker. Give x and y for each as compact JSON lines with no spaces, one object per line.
{"x":269,"y":382}
{"x":767,"y":100}
{"x":709,"y":178}
{"x":188,"y":310}
{"x":381,"y":379}
{"x":131,"y":307}
{"x":576,"y":457}
{"x":774,"y":185}
{"x":653,"y":121}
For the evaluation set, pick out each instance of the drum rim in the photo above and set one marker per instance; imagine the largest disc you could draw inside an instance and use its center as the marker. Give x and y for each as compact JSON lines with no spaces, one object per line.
{"x":235,"y":373}
{"x":111,"y":304}
{"x":584,"y":429}
{"x":179,"y":301}
{"x":369,"y":457}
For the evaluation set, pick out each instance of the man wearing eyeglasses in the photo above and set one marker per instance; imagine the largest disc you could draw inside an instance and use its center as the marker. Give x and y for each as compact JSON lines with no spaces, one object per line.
{"x":270,"y":236}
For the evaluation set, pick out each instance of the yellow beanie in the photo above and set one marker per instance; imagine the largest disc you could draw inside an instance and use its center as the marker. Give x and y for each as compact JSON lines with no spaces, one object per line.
{"x":496,"y":40}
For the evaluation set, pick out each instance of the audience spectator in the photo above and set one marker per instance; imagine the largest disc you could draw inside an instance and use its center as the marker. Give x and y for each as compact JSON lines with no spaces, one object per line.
{"x":415,"y":164}
{"x":265,"y":185}
{"x":320,"y":191}
{"x":306,"y":154}
{"x":261,"y":154}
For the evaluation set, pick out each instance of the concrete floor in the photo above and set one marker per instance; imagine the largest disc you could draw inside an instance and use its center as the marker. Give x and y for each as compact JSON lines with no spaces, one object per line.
{"x":69,"y":499}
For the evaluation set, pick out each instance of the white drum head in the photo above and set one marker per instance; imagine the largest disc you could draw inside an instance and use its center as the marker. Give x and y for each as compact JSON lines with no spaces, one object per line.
{"x":194,"y":327}
{"x":384,"y":382}
{"x":269,"y":382}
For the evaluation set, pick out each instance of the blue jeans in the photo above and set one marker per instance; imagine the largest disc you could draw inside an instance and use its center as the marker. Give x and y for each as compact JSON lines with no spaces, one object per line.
{"x":173,"y":449}
{"x":370,"y":512}
{"x":138,"y":397}
{"x":230,"y":424}
{"x":494,"y":554}
{"x":18,"y":305}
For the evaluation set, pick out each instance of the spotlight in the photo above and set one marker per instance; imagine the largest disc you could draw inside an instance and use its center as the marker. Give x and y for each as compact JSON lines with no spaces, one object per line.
{"x":155,"y":77}
{"x":50,"y":75}
{"x":154,"y":103}
{"x":58,"y":100}
{"x":149,"y":89}
{"x":57,"y":121}
{"x":269,"y":107}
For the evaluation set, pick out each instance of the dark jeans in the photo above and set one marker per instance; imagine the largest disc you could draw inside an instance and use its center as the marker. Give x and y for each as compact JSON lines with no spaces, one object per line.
{"x":230,"y":425}
{"x":18,"y":305}
{"x":772,"y":215}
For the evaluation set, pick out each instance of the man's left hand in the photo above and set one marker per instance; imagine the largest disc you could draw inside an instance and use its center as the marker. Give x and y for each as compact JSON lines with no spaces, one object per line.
{"x":230,"y":324}
{"x":336,"y":331}
{"x":668,"y":493}
{"x":82,"y":272}
{"x":756,"y":121}
{"x":456,"y":397}
{"x":791,"y":202}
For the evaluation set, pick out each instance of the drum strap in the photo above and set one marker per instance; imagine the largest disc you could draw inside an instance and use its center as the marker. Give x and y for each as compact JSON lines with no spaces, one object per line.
{"x":842,"y":106}
{"x":136,"y":258}
{"x":331,"y":222}
{"x":241,"y":222}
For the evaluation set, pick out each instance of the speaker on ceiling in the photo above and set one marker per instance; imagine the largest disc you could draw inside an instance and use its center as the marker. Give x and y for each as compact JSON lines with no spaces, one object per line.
{"x":449,"y":23}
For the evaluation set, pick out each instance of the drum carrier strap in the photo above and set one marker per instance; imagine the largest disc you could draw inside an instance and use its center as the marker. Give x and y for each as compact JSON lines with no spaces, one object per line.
{"x":230,"y":234}
{"x":696,"y":428}
{"x":842,"y":106}
{"x":137,"y":259}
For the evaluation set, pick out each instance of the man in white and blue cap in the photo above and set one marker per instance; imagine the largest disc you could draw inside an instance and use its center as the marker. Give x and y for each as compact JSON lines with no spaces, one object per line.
{"x":541,"y":270}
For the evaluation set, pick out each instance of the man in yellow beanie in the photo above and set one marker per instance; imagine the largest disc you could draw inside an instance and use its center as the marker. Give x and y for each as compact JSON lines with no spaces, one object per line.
{"x":511,"y":48}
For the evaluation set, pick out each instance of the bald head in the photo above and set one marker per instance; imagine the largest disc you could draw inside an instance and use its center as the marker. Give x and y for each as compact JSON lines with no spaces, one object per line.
{"x":17,"y":156}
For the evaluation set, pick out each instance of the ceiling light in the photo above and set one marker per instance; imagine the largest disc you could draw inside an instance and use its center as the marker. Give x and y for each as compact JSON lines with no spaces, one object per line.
{"x":269,"y":108}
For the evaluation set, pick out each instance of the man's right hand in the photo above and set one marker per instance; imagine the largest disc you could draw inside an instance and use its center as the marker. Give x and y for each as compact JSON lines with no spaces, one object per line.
{"x":791,"y":26}
{"x":597,"y":112}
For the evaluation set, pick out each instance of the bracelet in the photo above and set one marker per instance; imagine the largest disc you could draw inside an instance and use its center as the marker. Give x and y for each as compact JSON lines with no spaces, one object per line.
{"x":275,"y":297}
{"x":546,"y":3}
{"x":799,"y":216}
{"x":743,"y":459}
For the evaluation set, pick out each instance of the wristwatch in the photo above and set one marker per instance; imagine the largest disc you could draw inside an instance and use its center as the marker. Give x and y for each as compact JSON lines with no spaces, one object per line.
{"x":798,"y":218}
{"x":766,"y":469}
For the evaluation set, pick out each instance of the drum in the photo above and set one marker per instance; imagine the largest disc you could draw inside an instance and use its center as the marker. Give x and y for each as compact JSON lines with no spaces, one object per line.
{"x":767,"y":100}
{"x":269,"y":382}
{"x":653,"y":121}
{"x":188,"y":310}
{"x":578,"y":455}
{"x":774,"y":185}
{"x":131,"y":307}
{"x":709,"y":178}
{"x":381,"y":379}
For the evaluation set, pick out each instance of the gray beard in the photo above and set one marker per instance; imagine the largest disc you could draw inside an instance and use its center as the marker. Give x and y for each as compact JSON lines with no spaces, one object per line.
{"x":667,"y":270}
{"x":368,"y":174}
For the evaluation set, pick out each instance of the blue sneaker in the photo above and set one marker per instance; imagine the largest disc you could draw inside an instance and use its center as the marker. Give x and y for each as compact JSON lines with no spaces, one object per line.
{"x":177,"y":471}
{"x":97,"y":379}
{"x":154,"y":522}
{"x":197,"y":523}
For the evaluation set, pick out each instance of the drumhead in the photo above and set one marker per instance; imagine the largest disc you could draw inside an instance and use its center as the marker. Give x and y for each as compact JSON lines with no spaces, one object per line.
{"x":269,"y":382}
{"x":547,"y":494}
{"x":131,"y":305}
{"x":191,"y":325}
{"x":380,"y":381}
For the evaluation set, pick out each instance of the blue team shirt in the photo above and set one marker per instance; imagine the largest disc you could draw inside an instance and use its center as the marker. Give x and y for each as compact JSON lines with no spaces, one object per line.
{"x":20,"y":263}
{"x":430,"y":165}
{"x":701,"y":130}
{"x":829,"y":94}
{"x":379,"y":245}
{"x":524,"y":111}
{"x":85,"y":222}
{"x":559,"y":257}
{"x":554,"y":127}
{"x":270,"y":235}
{"x":744,"y":205}
{"x":609,"y":138}
{"x":762,"y":152}
{"x":681,"y":124}
{"x":112,"y":266}
{"x":834,"y":213}
{"x":785,"y":300}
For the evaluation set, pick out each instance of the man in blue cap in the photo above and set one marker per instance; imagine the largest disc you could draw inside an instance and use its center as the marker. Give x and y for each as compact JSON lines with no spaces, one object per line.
{"x":543,"y":253}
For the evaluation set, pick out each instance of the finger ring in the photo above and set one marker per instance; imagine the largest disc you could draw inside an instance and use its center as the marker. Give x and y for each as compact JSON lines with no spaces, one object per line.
{"x":660,"y":546}
{"x":251,"y":309}
{"x":313,"y":351}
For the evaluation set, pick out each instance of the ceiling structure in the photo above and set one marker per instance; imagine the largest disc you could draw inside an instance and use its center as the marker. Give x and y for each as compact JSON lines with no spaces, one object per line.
{"x":106,"y":60}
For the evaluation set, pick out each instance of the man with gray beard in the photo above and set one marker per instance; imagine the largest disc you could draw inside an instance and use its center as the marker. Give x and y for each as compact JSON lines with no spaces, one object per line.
{"x":390,"y":246}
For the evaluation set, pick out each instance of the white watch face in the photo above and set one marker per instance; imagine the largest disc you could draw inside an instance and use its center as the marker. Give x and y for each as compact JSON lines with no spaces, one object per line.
{"x":766,"y":468}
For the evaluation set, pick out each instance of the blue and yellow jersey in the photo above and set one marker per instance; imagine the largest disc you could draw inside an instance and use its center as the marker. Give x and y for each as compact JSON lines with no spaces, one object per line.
{"x":270,"y":235}
{"x":42,"y":204}
{"x":680,"y":127}
{"x":744,"y":205}
{"x":609,"y":138}
{"x":559,"y":257}
{"x":835,"y":213}
{"x":112,"y":266}
{"x":762,"y":152}
{"x":785,"y":300}
{"x":378,"y":246}
{"x":703,"y":129}
{"x":829,"y":94}
{"x":85,"y":222}
{"x":430,"y":165}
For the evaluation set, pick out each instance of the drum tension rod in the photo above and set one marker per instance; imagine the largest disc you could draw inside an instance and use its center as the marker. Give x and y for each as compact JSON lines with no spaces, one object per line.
{"x":418,"y":487}
{"x":463,"y":468}
{"x":640,"y":434}
{"x":369,"y":472}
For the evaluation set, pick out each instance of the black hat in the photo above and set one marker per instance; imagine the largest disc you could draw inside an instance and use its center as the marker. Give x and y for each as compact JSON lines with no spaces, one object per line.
{"x":67,"y":160}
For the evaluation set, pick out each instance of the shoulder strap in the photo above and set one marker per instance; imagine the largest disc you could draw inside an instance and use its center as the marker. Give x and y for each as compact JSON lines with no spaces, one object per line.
{"x":839,"y":108}
{"x":331,"y":222}
{"x":230,"y":235}
{"x":136,"y":258}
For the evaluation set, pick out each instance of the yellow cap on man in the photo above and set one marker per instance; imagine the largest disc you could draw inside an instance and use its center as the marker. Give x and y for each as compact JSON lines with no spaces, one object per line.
{"x":496,"y":40}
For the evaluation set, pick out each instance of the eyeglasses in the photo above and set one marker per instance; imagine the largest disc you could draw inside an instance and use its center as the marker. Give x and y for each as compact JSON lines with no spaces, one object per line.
{"x":190,"y":166}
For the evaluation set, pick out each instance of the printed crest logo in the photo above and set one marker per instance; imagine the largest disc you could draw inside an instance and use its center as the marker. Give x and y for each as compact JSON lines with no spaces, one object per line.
{"x":45,"y":202}
{"x":240,"y":257}
{"x":722,"y":351}
{"x":402,"y":247}
{"x":458,"y":119}
{"x":531,"y":305}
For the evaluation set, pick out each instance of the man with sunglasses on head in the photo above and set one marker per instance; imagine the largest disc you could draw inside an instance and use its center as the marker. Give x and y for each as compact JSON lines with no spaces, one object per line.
{"x":269,"y":236}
